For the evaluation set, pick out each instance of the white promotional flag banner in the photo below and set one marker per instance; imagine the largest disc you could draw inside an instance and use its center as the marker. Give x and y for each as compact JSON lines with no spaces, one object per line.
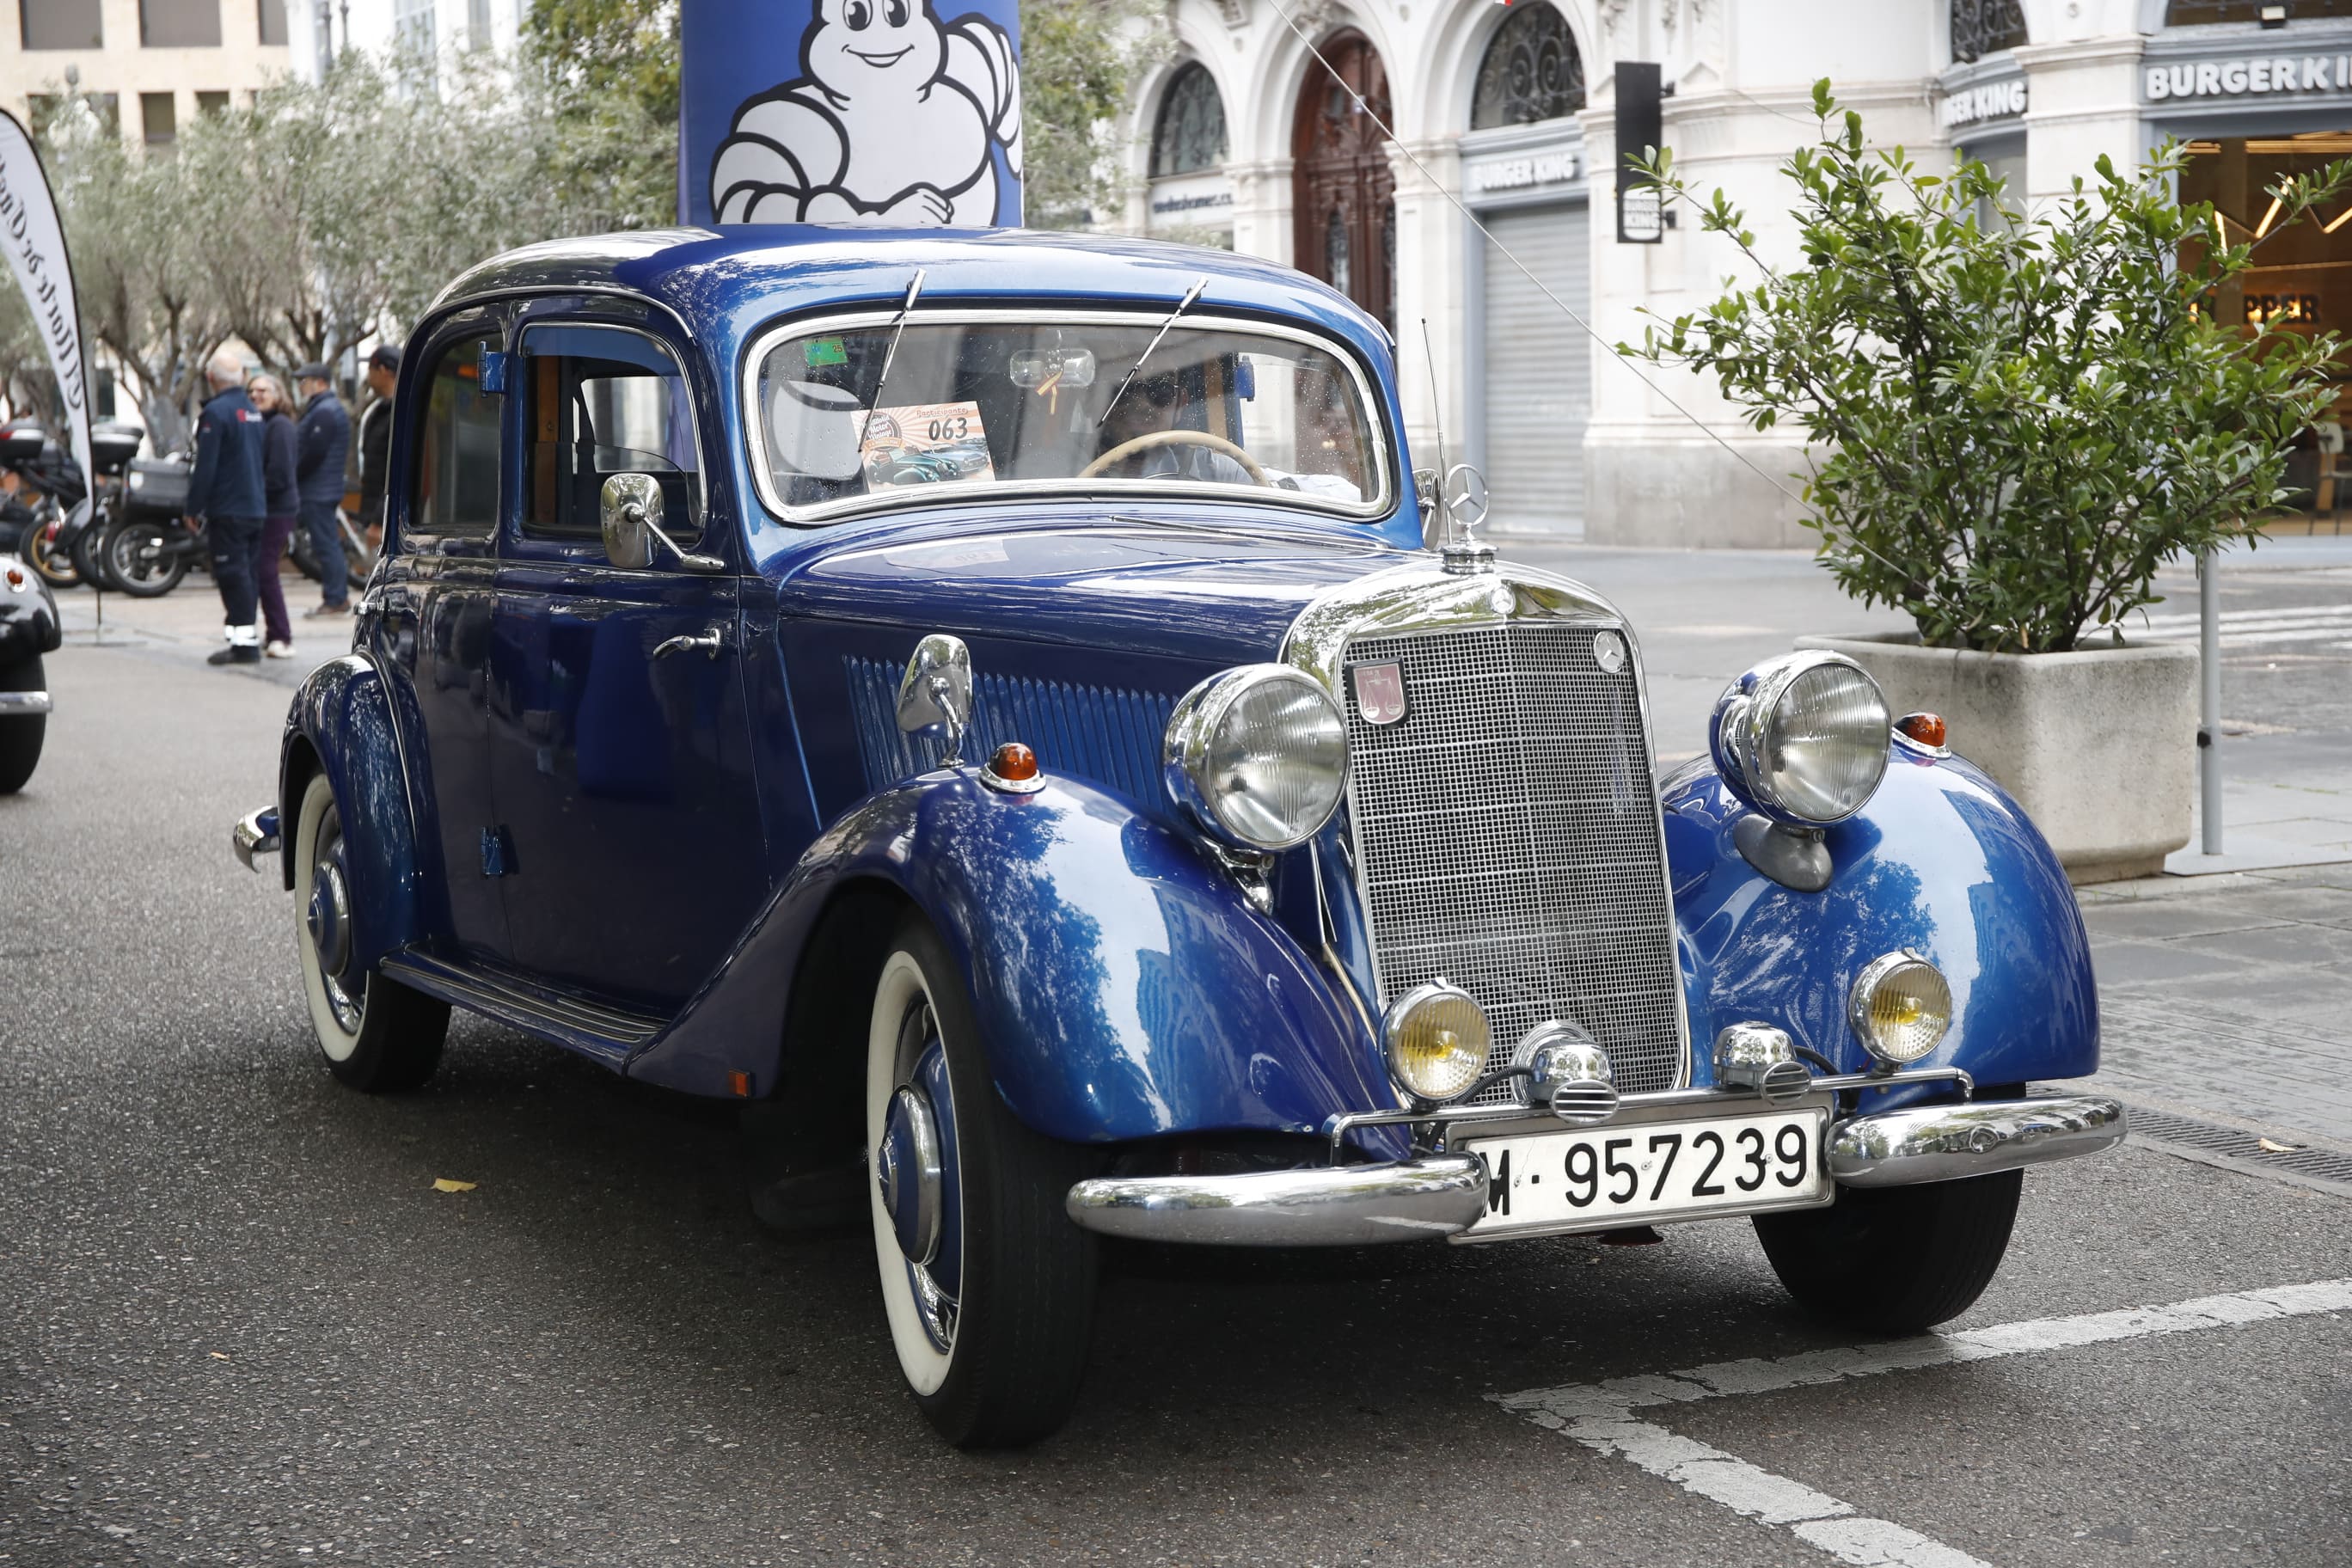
{"x":35,"y":244}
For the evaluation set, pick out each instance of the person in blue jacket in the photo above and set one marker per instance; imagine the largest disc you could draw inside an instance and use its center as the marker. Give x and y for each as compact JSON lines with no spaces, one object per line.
{"x":326,"y":439}
{"x":226,"y":499}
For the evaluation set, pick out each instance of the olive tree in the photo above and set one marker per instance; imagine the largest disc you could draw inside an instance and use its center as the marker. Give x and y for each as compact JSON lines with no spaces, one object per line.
{"x":2013,"y":418}
{"x":140,"y":266}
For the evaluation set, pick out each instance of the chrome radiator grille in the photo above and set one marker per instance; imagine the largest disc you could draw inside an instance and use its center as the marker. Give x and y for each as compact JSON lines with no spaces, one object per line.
{"x":1506,"y":840}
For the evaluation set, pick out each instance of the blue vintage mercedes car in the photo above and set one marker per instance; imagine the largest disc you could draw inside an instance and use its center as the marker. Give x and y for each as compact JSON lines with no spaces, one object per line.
{"x":987,"y":695}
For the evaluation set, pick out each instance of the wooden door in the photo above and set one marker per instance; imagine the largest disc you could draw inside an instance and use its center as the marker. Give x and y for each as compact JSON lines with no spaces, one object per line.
{"x":1343,"y":191}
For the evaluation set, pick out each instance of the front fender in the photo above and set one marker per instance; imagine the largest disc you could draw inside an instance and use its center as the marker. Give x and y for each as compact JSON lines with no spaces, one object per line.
{"x":342,"y":716}
{"x":1123,"y":986}
{"x":1941,"y":862}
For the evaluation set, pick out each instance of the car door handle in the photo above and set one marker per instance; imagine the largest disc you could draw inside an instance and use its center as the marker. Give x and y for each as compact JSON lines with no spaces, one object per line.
{"x":709,"y":643}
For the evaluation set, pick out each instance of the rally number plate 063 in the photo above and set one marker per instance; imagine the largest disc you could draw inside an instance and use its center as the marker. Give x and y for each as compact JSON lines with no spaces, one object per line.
{"x":1620,"y":1174}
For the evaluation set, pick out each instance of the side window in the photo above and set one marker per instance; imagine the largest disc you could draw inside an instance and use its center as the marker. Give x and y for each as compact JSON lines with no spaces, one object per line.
{"x":605,"y":401}
{"x":455,"y":487}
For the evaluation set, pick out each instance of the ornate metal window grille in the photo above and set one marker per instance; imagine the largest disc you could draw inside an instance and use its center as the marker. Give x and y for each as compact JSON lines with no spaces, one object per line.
{"x":1190,"y":134}
{"x":1981,"y":27}
{"x":1530,"y":71}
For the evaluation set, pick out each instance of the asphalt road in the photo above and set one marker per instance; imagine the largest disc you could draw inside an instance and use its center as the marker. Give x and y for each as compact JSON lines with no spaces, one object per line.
{"x":237,"y":1325}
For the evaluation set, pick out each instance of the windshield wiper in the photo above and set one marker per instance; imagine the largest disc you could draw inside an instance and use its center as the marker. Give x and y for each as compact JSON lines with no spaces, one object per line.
{"x":897,"y":330}
{"x":1182,"y":305}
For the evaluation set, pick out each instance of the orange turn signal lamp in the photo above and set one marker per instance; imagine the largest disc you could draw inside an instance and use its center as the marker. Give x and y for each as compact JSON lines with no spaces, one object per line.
{"x":1012,"y":770}
{"x":1925,"y":728}
{"x":15,"y":578}
{"x":1013,"y":762}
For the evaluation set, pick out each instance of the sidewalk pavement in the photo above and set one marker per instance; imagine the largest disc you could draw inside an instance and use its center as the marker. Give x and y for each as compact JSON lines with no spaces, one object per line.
{"x":2230,"y":997}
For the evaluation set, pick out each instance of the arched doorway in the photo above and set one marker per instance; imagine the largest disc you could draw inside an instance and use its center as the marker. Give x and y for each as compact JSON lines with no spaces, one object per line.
{"x":1343,"y":191}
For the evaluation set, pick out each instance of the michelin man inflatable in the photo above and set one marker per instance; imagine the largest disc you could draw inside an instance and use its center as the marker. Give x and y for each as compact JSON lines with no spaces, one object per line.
{"x":894,"y":120}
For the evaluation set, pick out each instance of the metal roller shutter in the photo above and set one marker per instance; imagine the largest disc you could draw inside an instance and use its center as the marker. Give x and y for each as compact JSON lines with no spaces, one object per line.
{"x":1538,"y":371}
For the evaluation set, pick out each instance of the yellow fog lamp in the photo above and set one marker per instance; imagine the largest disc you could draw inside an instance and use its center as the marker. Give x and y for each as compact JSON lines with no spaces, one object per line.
{"x":1900,"y":1008}
{"x":1437,"y":1040}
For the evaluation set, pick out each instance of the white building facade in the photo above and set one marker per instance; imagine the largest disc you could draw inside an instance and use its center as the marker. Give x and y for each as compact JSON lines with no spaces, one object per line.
{"x":322,"y":28}
{"x":1246,"y":138}
{"x":150,"y":66}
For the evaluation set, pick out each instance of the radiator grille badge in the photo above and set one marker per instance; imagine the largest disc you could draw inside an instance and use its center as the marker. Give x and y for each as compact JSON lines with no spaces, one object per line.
{"x":1380,"y":692}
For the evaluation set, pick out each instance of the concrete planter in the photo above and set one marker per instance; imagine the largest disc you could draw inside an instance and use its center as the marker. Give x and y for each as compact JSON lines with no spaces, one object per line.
{"x":2100,"y":748}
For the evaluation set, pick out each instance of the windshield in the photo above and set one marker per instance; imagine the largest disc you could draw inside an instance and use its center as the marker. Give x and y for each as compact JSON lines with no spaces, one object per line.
{"x":1036,"y":402}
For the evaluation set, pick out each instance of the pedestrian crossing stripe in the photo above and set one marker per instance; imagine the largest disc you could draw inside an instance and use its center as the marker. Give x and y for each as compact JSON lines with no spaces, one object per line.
{"x":2328,"y":623}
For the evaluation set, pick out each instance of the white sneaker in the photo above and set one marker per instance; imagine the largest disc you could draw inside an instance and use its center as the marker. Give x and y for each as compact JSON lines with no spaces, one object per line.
{"x":280,"y":649}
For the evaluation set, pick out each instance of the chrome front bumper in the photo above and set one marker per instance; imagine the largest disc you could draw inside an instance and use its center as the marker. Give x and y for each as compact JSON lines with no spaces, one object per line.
{"x":255,"y":833}
{"x":1340,"y":1205}
{"x":1946,"y":1143}
{"x":27,"y":704}
{"x":1443,"y":1194}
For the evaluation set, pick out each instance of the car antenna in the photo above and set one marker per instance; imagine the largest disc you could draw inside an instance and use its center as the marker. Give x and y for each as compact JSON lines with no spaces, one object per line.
{"x":897,"y":330}
{"x":1194,"y":292}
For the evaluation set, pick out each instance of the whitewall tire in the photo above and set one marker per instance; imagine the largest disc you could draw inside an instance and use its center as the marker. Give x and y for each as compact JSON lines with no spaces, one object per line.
{"x":374,"y":1033}
{"x":987,"y":1287}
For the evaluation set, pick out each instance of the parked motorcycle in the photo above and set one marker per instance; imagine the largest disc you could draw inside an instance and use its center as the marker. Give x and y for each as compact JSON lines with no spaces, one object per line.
{"x":147,"y":548}
{"x":63,"y":542}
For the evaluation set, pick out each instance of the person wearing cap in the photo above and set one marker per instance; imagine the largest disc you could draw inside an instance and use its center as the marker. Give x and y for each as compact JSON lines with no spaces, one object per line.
{"x":324,"y":439}
{"x":226,"y":500}
{"x":375,"y":431}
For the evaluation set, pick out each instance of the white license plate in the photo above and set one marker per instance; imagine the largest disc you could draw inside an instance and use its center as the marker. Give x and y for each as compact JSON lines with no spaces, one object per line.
{"x":1611,"y":1175}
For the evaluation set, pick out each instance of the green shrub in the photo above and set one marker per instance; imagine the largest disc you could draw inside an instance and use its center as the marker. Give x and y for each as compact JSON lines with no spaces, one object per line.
{"x":2013,"y":420}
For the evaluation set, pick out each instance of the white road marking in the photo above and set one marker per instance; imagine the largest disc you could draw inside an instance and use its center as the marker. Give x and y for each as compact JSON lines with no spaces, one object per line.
{"x":1600,"y":1415}
{"x":2191,"y":620}
{"x":2252,"y":629}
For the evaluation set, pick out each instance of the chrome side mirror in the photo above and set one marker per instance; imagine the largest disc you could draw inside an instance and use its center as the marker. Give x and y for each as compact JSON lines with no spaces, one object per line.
{"x":935,"y":692}
{"x":1424,"y":495}
{"x":629,"y":512}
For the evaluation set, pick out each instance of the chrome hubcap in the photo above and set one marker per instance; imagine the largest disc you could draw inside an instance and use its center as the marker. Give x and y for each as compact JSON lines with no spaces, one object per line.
{"x":327,"y":920}
{"x":916,"y":1173}
{"x":908,"y":1167}
{"x":330,"y":918}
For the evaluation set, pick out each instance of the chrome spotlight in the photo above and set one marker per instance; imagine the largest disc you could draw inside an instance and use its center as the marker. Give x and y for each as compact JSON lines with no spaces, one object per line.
{"x":1567,"y":1072}
{"x":1760,"y":1057}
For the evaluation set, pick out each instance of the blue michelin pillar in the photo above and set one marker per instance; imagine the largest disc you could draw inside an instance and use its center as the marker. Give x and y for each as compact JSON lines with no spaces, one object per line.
{"x":885,"y":113}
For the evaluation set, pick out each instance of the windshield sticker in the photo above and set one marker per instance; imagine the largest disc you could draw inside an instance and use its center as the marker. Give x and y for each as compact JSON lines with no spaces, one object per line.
{"x":924,"y":444}
{"x":822,"y":351}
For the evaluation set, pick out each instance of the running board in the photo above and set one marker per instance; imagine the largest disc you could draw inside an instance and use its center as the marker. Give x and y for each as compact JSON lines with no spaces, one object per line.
{"x":610,"y":1034}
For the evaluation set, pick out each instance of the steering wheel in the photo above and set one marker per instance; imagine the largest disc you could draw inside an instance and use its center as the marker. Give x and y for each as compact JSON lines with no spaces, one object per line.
{"x":1158,"y":438}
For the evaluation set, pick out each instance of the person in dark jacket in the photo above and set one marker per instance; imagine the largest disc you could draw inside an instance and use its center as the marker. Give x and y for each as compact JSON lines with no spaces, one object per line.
{"x":326,"y":433}
{"x":280,"y":446}
{"x":226,"y":499}
{"x":375,"y":432}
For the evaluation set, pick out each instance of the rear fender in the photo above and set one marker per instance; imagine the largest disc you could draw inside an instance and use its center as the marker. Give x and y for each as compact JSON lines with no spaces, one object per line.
{"x":341,"y":723}
{"x":1940,"y":861}
{"x":1123,"y":986}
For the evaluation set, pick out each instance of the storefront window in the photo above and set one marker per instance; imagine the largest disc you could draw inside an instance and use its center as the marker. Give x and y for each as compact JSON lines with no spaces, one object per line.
{"x":1981,"y":28}
{"x":1530,"y":71}
{"x":1190,"y":135}
{"x":2301,"y":280}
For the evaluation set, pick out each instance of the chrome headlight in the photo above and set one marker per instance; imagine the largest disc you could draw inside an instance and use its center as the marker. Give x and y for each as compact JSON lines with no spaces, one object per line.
{"x":1900,"y":1007}
{"x":1802,"y":738}
{"x":1258,"y":756}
